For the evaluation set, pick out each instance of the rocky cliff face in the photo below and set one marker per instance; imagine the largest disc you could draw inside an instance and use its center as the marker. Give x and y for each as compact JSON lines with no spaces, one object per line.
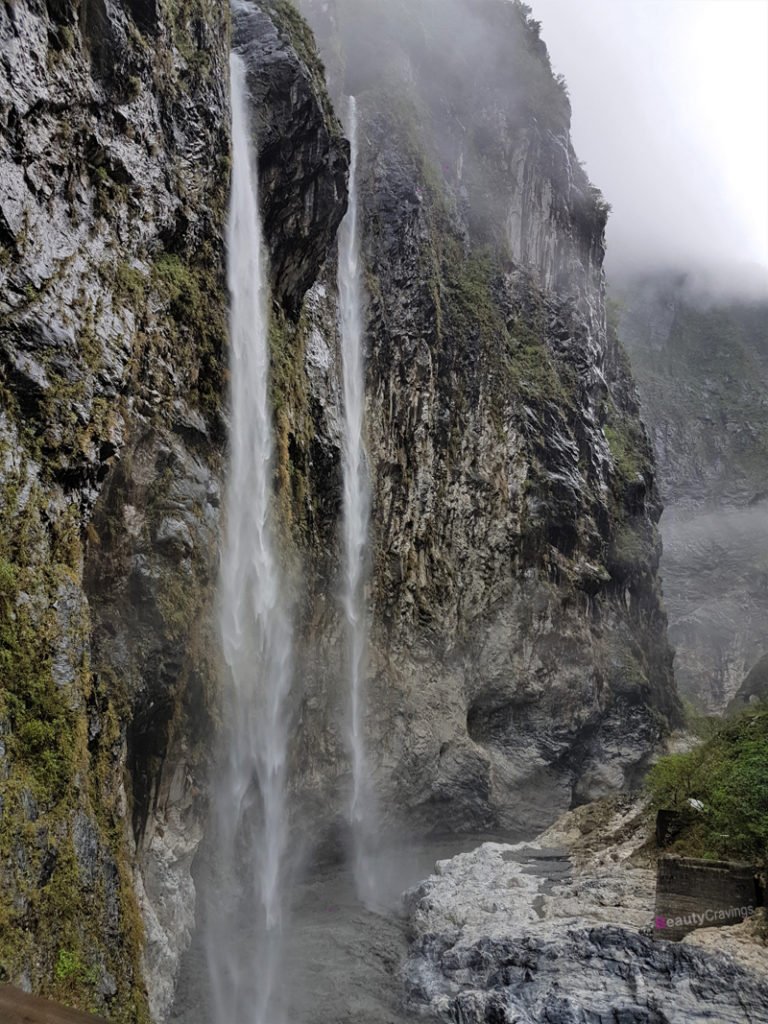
{"x":702,"y":368}
{"x":112,"y":327}
{"x":519,"y":651}
{"x":519,"y":659}
{"x":112,"y":441}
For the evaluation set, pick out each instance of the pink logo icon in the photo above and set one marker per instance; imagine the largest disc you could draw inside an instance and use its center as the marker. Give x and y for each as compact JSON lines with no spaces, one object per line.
{"x":661,"y":922}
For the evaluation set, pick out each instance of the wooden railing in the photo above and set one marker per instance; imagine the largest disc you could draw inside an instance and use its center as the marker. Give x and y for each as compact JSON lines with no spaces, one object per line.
{"x":18,"y":1008}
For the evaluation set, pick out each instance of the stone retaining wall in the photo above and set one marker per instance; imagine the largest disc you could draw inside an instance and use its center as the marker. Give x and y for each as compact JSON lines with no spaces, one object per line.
{"x":694,"y":894}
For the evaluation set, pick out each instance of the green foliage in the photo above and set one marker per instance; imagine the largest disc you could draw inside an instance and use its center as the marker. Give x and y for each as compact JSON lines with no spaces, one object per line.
{"x":628,"y":447}
{"x":130,"y":283}
{"x":186,"y":17}
{"x":676,"y":779}
{"x":195,"y":296}
{"x":531,"y":367}
{"x":729,"y":775}
{"x":174,"y":279}
{"x":70,"y":968}
{"x":37,"y":710}
{"x":471,"y":312}
{"x":699,"y":723}
{"x":67,"y":965}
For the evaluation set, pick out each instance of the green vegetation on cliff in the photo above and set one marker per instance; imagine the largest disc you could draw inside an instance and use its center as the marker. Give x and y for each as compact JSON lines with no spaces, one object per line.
{"x":728,"y":774}
{"x":118,"y":344}
{"x":64,"y":879}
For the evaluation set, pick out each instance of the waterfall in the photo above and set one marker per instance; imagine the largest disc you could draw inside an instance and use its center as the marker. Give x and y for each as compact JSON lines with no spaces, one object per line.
{"x":244,"y":932}
{"x":357,"y":500}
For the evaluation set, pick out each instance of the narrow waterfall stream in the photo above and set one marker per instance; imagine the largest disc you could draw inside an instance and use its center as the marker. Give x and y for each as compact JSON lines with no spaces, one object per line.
{"x":357,"y":502}
{"x":249,"y":812}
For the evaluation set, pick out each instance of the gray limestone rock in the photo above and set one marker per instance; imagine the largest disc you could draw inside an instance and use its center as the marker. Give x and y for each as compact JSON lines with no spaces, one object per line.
{"x":519,"y":659}
{"x":561,"y":934}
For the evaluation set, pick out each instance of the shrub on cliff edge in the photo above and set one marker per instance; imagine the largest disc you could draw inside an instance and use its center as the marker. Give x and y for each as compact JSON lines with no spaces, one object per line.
{"x":728,"y":774}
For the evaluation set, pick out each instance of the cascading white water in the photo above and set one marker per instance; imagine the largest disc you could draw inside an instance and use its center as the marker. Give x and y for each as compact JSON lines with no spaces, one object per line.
{"x":244,"y":931}
{"x":357,"y":501}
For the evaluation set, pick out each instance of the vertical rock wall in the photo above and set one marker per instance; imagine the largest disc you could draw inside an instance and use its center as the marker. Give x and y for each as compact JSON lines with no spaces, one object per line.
{"x":520,"y":659}
{"x":113,"y":174}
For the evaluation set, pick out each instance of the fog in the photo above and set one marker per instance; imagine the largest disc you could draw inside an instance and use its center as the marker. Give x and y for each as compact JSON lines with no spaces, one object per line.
{"x":670,"y":116}
{"x":670,"y":112}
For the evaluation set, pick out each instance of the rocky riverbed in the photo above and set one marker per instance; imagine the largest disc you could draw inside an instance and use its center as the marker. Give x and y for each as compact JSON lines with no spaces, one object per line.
{"x":553,"y":930}
{"x":558,"y":931}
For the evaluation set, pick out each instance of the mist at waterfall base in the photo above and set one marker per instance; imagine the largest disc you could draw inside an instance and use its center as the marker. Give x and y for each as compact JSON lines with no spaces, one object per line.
{"x":249,"y":821}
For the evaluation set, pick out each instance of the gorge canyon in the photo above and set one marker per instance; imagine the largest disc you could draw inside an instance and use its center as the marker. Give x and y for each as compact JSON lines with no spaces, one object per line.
{"x":330,"y":523}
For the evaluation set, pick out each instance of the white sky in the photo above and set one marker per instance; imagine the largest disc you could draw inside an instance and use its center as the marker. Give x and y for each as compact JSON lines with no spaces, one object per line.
{"x":670,"y":115}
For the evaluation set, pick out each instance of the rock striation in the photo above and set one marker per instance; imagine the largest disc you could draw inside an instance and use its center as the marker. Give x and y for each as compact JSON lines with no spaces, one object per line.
{"x":519,"y":657}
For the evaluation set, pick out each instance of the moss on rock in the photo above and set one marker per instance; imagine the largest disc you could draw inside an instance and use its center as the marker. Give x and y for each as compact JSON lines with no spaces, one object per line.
{"x":64,"y":880}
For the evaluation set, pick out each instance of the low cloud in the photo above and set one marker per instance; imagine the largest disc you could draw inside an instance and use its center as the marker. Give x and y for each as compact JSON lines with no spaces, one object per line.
{"x":670,"y":103}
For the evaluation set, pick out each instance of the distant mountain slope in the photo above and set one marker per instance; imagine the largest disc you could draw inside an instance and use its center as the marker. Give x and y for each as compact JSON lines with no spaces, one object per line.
{"x":702,"y":370}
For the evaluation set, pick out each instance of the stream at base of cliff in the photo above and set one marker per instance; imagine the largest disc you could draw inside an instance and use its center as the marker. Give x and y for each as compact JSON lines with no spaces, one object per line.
{"x":343,"y":961}
{"x":479,"y":929}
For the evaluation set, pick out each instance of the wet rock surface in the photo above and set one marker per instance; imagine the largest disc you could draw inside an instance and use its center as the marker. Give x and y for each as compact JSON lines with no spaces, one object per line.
{"x":112,"y":318}
{"x":519,"y":656}
{"x":586,"y":976}
{"x":113,"y":196}
{"x":534,"y":933}
{"x":303,"y":157}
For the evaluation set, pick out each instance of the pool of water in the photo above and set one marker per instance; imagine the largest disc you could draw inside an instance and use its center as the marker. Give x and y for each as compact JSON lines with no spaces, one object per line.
{"x":342,"y":959}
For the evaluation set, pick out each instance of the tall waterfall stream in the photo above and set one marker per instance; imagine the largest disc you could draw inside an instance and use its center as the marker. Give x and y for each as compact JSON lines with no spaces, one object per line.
{"x":357,"y":502}
{"x":273,"y":948}
{"x":250,"y":817}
